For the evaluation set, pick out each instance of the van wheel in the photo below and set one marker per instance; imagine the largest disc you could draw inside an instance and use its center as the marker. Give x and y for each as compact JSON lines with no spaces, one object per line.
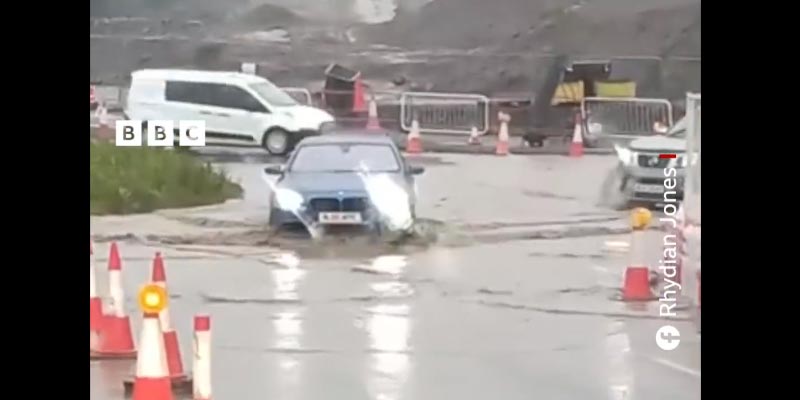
{"x":277,"y":142}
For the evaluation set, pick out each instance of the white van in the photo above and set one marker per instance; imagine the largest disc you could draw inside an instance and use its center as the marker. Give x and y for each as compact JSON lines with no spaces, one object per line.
{"x":238,"y":108}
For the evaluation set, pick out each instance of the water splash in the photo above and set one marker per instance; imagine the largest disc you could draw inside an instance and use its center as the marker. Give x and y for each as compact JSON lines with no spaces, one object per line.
{"x":390,"y":200}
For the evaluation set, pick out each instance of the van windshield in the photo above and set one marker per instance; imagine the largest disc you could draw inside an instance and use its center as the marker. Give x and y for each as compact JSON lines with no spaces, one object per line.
{"x":273,"y":95}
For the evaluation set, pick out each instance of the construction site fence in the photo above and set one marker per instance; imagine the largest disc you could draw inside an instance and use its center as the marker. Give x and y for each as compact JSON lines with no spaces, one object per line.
{"x":436,"y":112}
{"x":625,"y":117}
{"x":439,"y":113}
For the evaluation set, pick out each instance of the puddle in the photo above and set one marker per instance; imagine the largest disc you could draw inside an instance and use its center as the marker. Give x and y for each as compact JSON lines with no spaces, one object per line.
{"x":210,"y":299}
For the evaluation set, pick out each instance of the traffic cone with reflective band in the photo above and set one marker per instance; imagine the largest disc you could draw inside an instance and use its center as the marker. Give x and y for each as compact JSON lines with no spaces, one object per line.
{"x":373,"y":123}
{"x":116,"y":339}
{"x":173,"y":348}
{"x":95,"y":305}
{"x":474,"y":138}
{"x":202,"y":357}
{"x":152,"y":380}
{"x":576,"y":147}
{"x":502,"y":136}
{"x":414,"y":142}
{"x":359,"y":106}
{"x":636,"y":281}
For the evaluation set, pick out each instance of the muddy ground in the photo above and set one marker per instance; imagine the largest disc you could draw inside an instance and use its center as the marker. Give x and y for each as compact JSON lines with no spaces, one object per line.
{"x":446,"y":45}
{"x":508,"y":299}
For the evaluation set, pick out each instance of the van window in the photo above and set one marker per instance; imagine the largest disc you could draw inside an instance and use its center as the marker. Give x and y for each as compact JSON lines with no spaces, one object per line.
{"x":230,"y":96}
{"x":213,"y":94}
{"x":273,"y":95}
{"x":185,"y":92}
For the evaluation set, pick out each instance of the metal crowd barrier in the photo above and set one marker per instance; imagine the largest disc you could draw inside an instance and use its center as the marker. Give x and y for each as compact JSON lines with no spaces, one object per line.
{"x":625,"y":117}
{"x":113,"y":97}
{"x":446,"y":113}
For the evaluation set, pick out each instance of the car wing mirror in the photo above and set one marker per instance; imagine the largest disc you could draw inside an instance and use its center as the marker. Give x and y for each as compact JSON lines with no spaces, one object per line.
{"x":274,"y":170}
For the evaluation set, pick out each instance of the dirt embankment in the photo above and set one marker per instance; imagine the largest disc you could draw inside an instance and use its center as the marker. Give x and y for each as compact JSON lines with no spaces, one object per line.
{"x":502,"y":43}
{"x":649,"y":27}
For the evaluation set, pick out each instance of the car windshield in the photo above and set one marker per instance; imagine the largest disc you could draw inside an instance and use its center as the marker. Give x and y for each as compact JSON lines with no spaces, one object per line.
{"x":345,"y":158}
{"x":273,"y":95}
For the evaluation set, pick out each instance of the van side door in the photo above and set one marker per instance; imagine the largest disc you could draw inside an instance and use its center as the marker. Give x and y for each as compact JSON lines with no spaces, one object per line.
{"x":192,"y":101}
{"x":239,"y":112}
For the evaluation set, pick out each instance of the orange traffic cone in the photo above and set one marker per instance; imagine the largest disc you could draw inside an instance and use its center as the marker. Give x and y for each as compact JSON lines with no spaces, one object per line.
{"x":152,"y":380}
{"x":359,"y":106}
{"x":636,"y":281}
{"x":116,"y":339}
{"x":576,"y":147}
{"x":373,"y":123}
{"x":173,"y":348}
{"x":95,"y":306}
{"x":474,"y":138}
{"x":502,"y":136}
{"x":414,"y":142}
{"x":202,"y":358}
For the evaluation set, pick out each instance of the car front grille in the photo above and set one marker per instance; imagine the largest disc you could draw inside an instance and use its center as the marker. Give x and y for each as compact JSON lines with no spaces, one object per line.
{"x":348,"y":204}
{"x":652,"y":161}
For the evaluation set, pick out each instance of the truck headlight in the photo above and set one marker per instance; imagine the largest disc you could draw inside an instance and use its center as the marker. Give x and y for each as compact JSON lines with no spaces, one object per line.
{"x":625,"y":155}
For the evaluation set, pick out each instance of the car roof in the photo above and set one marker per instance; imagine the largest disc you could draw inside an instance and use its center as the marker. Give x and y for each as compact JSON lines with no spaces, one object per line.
{"x":189,"y":75}
{"x":349,"y":138}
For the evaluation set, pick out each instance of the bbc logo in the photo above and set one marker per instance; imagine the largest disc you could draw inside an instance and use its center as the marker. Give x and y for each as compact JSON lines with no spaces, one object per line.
{"x":161,"y":133}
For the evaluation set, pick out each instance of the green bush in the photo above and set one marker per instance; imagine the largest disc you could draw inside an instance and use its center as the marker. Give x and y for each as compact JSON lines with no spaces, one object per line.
{"x":127,"y":180}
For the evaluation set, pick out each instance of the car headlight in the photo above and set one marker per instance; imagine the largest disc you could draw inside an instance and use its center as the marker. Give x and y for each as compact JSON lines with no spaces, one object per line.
{"x":288,"y":199}
{"x":327,"y":127}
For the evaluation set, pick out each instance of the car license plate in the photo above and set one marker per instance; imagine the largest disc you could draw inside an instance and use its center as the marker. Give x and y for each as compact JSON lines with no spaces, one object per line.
{"x":339,"y":218}
{"x":642,"y":188}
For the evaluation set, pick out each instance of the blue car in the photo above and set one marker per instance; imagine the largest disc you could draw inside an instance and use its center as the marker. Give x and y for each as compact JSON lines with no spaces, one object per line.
{"x":344,"y":179}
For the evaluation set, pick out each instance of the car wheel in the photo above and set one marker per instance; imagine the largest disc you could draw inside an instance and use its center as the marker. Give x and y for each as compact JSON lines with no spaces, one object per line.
{"x":277,"y":142}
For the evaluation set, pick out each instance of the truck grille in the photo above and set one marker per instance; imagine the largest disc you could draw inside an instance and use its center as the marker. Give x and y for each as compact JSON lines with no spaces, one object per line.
{"x":349,"y":204}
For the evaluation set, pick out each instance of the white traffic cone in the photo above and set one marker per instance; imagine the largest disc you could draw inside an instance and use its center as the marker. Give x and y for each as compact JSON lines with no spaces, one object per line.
{"x":202,"y":357}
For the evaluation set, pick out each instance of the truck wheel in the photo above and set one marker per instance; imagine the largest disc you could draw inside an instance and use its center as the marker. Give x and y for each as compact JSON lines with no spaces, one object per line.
{"x":277,"y":142}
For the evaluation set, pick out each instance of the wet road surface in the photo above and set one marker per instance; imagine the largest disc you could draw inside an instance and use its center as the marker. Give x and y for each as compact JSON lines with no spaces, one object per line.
{"x":511,"y":319}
